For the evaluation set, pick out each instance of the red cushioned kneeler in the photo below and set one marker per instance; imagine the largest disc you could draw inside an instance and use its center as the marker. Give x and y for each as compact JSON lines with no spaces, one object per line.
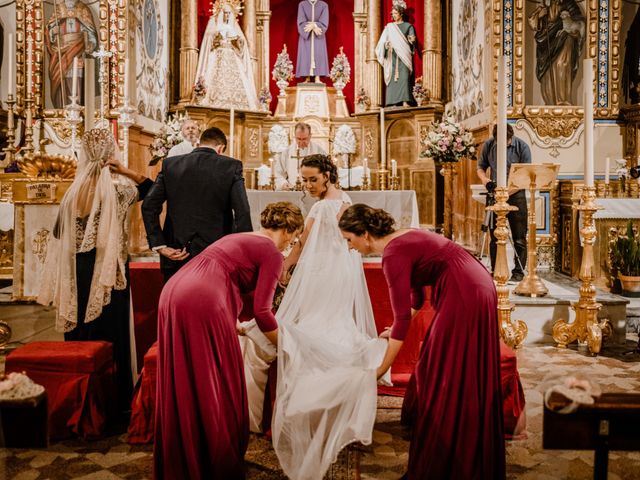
{"x":78,"y":378}
{"x":142,"y":424}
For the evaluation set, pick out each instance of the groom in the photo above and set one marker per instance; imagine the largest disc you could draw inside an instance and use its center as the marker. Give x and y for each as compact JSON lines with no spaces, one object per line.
{"x":206,"y":200}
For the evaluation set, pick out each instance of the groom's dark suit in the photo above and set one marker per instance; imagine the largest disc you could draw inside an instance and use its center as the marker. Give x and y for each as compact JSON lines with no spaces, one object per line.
{"x":206,"y":200}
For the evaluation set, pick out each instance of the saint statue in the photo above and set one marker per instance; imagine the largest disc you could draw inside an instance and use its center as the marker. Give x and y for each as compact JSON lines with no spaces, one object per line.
{"x":395,"y":53}
{"x":224,"y":64}
{"x":70,"y":33}
{"x":559,"y":33}
{"x":313,"y":21}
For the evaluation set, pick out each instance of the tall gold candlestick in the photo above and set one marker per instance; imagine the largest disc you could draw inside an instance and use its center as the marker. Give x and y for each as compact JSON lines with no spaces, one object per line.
{"x":586,"y":327}
{"x":10,"y":149}
{"x":383,"y":178}
{"x":28,"y":128}
{"x":512,"y":332}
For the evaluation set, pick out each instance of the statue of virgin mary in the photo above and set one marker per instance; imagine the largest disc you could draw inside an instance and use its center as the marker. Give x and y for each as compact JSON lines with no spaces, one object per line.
{"x":224,"y":59}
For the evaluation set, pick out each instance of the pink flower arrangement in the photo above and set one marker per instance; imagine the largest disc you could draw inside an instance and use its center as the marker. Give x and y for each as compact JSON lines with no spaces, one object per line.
{"x":448,"y":141}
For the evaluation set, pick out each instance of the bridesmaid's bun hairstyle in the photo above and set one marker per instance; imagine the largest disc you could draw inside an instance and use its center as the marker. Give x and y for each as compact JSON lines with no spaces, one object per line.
{"x":282,"y":216}
{"x":323,"y":163}
{"x":361,"y":218}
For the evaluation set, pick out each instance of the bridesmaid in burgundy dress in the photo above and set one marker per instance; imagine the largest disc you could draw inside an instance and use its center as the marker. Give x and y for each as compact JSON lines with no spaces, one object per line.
{"x":458,"y":427}
{"x":202,"y":419}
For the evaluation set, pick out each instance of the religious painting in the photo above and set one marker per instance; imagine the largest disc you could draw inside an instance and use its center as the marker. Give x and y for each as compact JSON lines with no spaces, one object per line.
{"x":151,"y":59}
{"x":70,"y":31}
{"x":467,"y":58}
{"x":555,"y":38}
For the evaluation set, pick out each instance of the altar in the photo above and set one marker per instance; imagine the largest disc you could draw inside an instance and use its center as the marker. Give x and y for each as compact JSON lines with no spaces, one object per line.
{"x":401,"y":204}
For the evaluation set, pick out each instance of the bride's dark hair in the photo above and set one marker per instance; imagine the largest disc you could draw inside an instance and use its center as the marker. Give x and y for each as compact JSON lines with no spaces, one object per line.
{"x":361,"y":218}
{"x":323,"y":163}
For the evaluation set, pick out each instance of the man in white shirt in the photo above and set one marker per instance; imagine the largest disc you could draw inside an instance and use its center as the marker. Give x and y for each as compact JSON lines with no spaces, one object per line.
{"x":190,"y":133}
{"x":286,"y":165}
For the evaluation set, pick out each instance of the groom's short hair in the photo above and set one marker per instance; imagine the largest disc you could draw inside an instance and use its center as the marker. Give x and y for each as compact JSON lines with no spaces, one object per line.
{"x":213,"y":136}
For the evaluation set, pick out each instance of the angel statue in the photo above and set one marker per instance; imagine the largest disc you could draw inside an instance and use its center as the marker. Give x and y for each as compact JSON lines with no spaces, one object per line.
{"x":224,"y":64}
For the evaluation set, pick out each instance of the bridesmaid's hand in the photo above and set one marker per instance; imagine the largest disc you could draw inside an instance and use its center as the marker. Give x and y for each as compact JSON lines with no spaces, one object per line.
{"x":386,"y":333}
{"x":240,"y":329}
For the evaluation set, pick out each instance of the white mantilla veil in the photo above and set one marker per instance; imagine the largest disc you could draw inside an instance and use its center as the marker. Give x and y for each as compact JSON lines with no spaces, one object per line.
{"x":328,"y":353}
{"x":90,"y":200}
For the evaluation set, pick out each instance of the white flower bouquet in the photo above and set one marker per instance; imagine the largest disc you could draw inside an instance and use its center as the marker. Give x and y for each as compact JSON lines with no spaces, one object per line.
{"x":170,"y":134}
{"x":448,"y":141}
{"x":344,"y":141}
{"x":278,"y":139}
{"x":283,"y":68}
{"x":340,"y":69}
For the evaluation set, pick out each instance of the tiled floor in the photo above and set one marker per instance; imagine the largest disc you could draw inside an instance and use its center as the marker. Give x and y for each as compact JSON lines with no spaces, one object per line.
{"x":617,"y":369}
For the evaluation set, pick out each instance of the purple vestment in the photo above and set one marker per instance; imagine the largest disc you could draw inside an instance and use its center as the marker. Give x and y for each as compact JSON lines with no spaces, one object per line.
{"x":321,"y":17}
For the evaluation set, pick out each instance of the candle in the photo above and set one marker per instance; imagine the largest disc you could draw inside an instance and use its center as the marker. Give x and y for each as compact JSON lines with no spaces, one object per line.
{"x":383,"y":142}
{"x":74,"y":86}
{"x":89,"y":93}
{"x":29,"y":66}
{"x":232,"y":122}
{"x":272,"y":167}
{"x":365,"y":165}
{"x":11,"y":90}
{"x":502,"y":123}
{"x":607,"y":167}
{"x":587,"y":69}
{"x":394,"y":168}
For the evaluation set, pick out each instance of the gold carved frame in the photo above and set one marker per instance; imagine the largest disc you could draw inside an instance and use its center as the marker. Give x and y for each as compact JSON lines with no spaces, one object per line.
{"x":509,"y":26}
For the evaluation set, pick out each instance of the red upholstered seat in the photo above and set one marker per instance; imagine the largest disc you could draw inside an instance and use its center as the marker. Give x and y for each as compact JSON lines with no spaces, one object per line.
{"x":78,"y":378}
{"x":142,"y":424}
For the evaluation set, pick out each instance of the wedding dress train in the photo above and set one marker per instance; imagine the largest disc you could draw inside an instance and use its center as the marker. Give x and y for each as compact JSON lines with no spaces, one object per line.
{"x":328,"y":352}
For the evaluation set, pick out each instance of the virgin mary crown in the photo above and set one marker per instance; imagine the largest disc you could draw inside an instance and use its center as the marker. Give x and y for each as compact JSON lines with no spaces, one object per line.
{"x":234,"y":5}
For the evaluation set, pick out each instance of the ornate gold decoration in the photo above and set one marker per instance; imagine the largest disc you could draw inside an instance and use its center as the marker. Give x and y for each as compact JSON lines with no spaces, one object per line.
{"x":6,"y":249}
{"x":39,"y":165}
{"x":5,"y":333}
{"x":254,"y":142}
{"x":448,"y":171}
{"x":113,"y":38}
{"x":39,"y":243}
{"x":368,"y":143}
{"x":311,"y":104}
{"x":513,"y":333}
{"x":554,"y":121}
{"x":218,"y":5}
{"x":62,"y":128}
{"x":586,"y":326}
{"x":29,"y":25}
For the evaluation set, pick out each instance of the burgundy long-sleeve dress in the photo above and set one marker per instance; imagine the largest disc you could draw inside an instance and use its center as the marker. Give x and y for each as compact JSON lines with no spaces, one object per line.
{"x":458,"y":423}
{"x":202,"y":419}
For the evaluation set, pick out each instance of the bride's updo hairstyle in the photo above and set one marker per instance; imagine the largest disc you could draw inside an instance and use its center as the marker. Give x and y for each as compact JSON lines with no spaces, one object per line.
{"x":282,"y":216}
{"x":361,"y":218}
{"x":323,"y":163}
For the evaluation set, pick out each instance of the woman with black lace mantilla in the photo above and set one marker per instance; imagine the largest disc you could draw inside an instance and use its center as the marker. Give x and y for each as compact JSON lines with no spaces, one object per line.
{"x":85,"y":273}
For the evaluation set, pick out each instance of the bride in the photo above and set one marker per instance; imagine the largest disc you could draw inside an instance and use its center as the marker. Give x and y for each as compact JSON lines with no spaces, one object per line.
{"x":328,"y":349}
{"x":224,"y":59}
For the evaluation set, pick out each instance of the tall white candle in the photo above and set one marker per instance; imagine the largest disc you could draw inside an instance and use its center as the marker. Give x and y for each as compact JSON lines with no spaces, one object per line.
{"x":365,"y":165}
{"x":11,"y":88}
{"x":607,"y":167}
{"x":394,"y":168}
{"x":232,"y":122}
{"x":587,"y":68}
{"x":502,"y":123}
{"x":383,"y":141}
{"x":74,"y":86}
{"x":29,"y":66}
{"x":89,"y":93}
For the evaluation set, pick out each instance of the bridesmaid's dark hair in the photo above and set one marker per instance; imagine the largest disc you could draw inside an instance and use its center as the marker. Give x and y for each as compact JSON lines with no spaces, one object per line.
{"x":361,"y":218}
{"x":323,"y":163}
{"x":282,"y":216}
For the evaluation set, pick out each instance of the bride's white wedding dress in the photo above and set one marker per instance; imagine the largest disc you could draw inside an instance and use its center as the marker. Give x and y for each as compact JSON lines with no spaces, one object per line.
{"x":328,"y":352}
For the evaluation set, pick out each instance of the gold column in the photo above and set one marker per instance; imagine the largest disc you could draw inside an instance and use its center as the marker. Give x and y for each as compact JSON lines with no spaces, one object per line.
{"x":263,"y":17}
{"x":432,"y":54}
{"x":586,"y":327}
{"x":513,"y":333}
{"x":188,"y":49}
{"x":249,"y":29}
{"x":373,"y":82}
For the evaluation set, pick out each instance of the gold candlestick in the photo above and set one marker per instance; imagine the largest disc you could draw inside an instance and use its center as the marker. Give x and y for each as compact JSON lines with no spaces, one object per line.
{"x":395,"y":182}
{"x":365,"y":180}
{"x":272,"y":181}
{"x":28,"y":128}
{"x":383,"y":176}
{"x":586,"y":327}
{"x":10,"y":149}
{"x":512,"y":332}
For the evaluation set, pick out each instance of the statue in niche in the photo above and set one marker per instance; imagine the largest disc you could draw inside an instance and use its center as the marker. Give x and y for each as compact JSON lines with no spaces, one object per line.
{"x":394,"y":52}
{"x":70,"y":33}
{"x":631,"y":70}
{"x":559,"y":27}
{"x":313,"y":22}
{"x":224,"y":65}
